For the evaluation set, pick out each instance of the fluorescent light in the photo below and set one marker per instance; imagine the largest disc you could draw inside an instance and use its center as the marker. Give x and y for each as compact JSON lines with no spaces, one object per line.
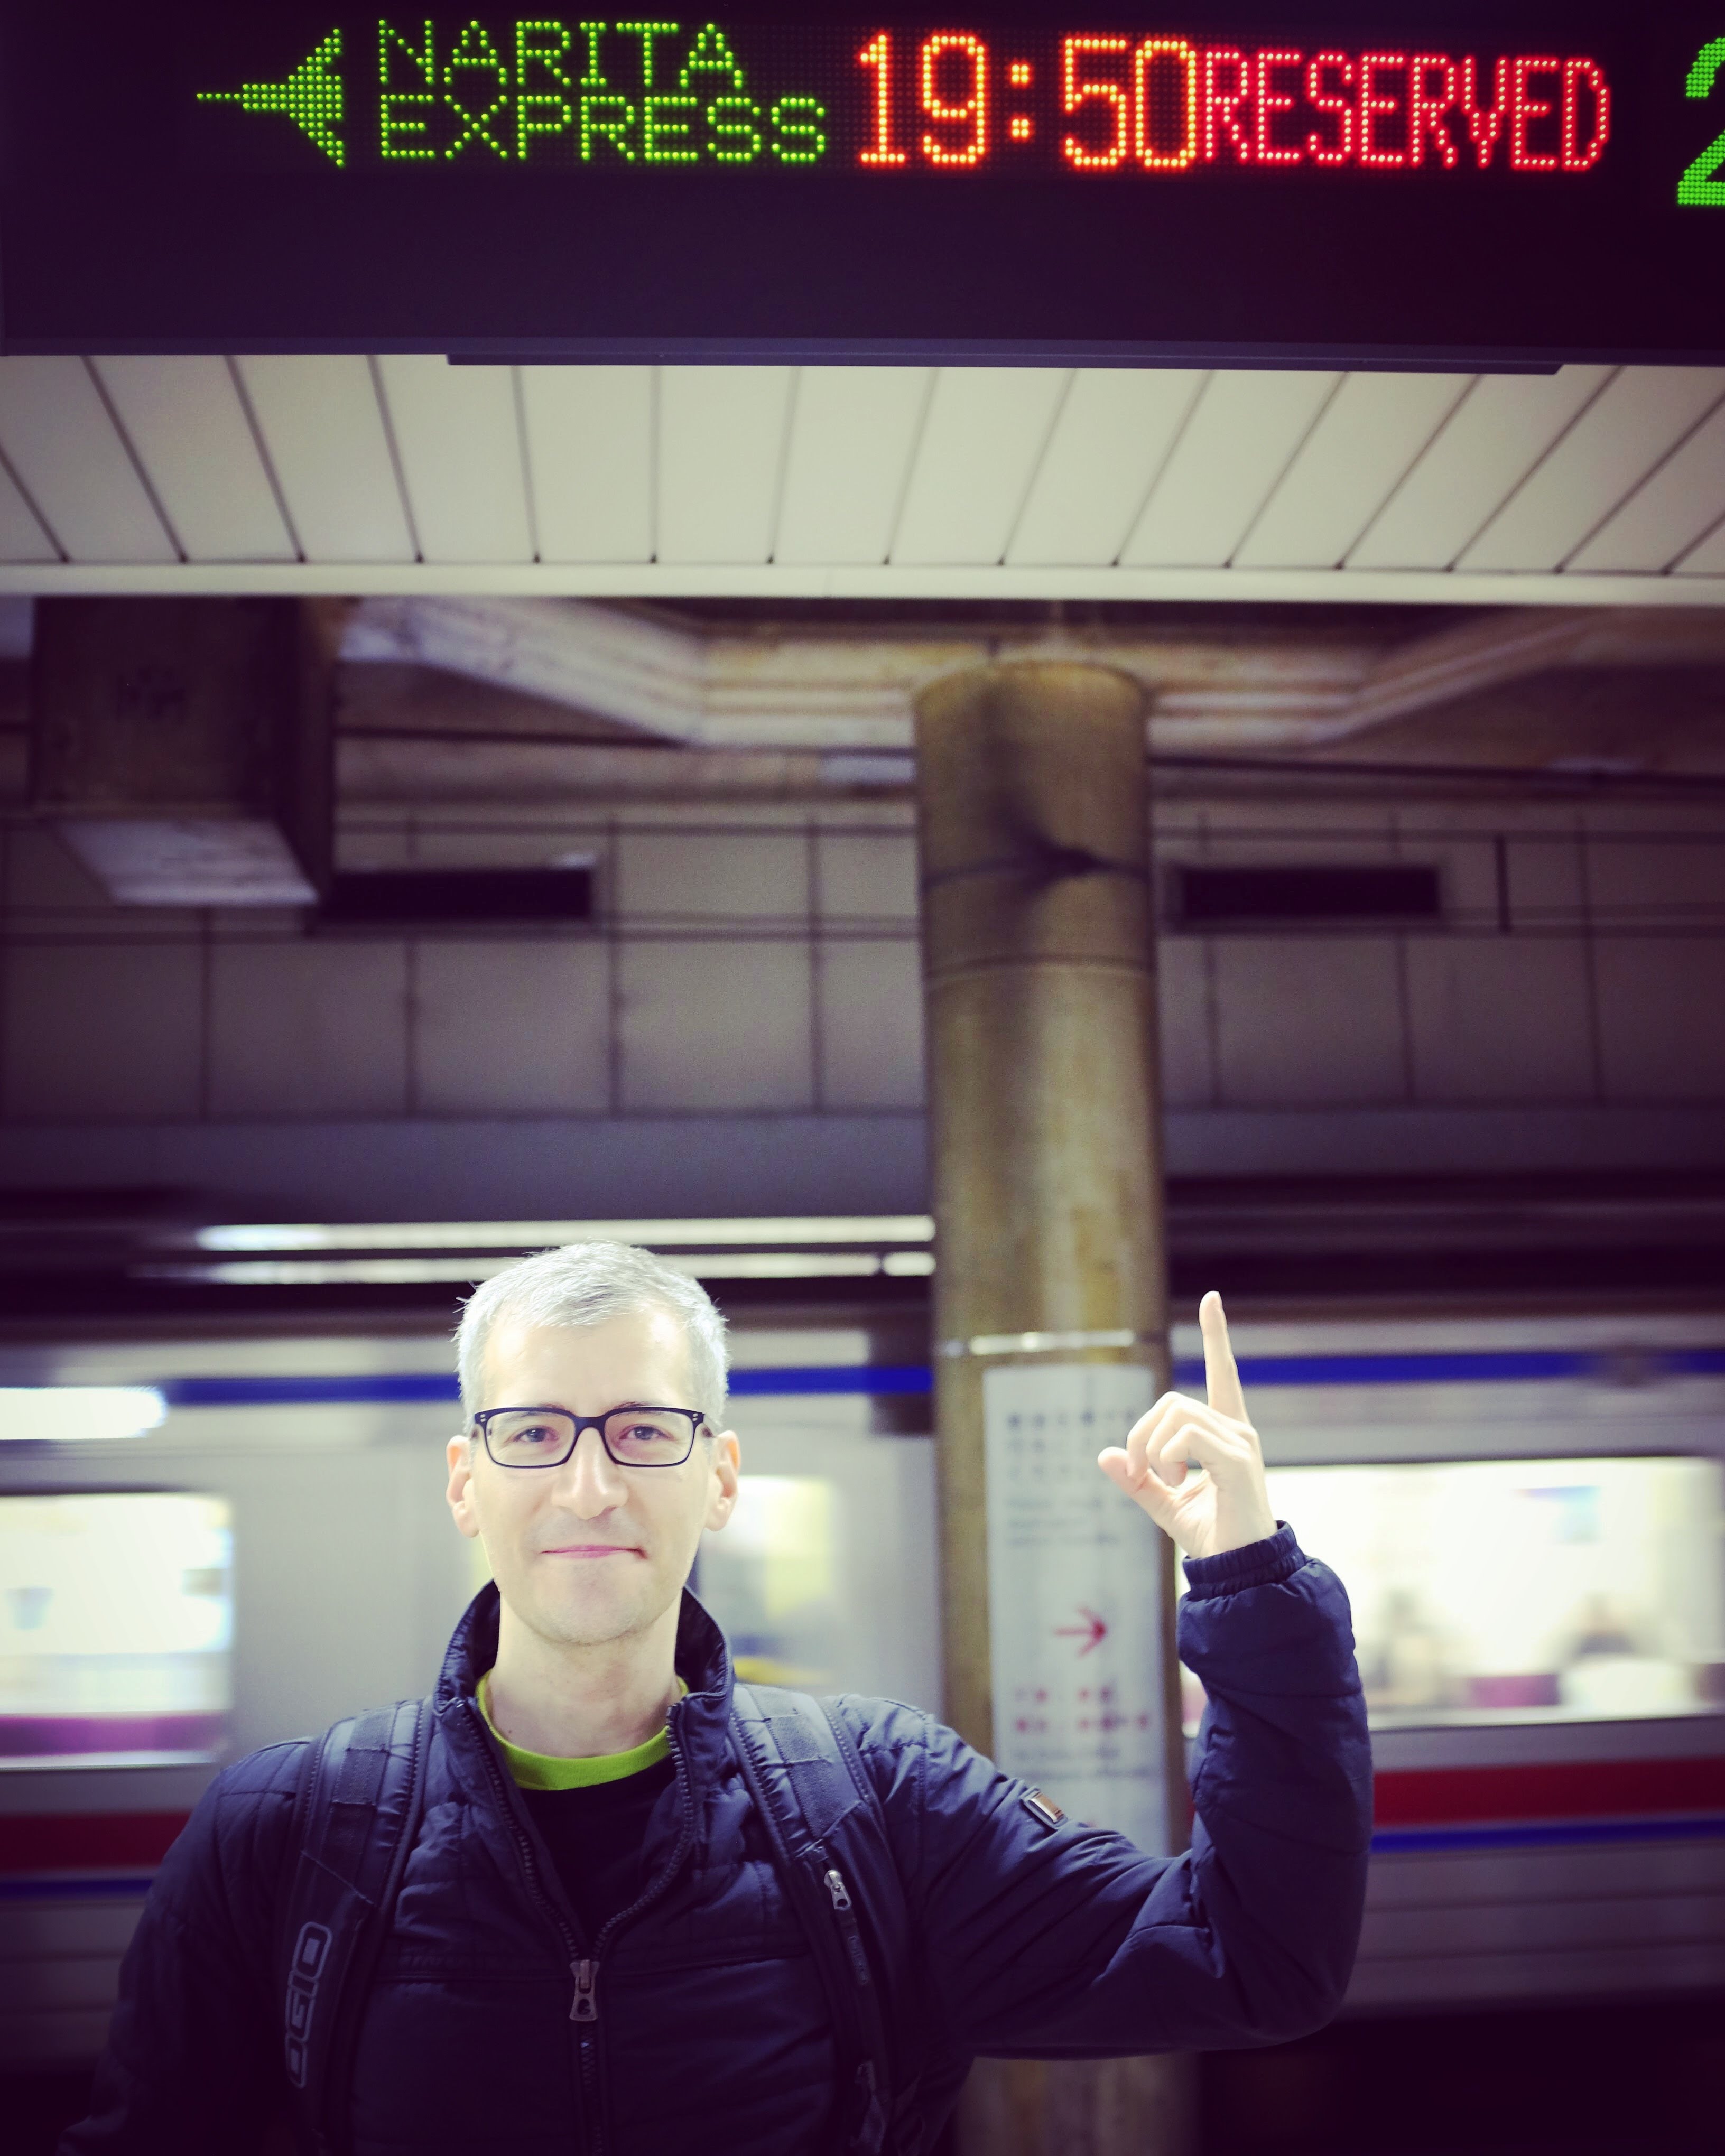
{"x":1039,"y":1343}
{"x":340,"y":1272}
{"x":57,"y":1415}
{"x":778,"y":1265}
{"x":330,"y":1272}
{"x":537,"y":1235}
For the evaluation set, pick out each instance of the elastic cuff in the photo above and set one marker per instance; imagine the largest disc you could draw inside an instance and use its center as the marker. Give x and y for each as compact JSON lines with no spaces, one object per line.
{"x":1266,"y":1563}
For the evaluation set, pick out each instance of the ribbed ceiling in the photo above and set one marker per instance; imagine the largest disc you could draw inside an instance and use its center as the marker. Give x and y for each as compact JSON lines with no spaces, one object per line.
{"x":404,"y":474}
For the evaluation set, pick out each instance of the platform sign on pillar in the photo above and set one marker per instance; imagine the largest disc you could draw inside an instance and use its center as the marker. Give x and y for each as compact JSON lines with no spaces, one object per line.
{"x":1075,"y":1620}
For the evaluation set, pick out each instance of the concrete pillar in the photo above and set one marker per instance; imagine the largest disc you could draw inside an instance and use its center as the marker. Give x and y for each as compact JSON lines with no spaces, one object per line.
{"x":1039,"y":961}
{"x":183,"y":747}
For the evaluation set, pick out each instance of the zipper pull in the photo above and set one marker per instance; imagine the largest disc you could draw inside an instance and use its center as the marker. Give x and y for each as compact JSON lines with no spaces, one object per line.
{"x":832,"y":1879}
{"x":587,"y":1977}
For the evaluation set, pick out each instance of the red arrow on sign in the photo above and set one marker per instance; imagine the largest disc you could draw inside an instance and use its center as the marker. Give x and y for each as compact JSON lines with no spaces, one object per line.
{"x":1092,"y":1631}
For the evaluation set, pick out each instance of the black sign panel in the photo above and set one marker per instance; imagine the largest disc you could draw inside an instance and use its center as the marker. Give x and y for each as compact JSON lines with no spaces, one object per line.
{"x":1512,"y":184}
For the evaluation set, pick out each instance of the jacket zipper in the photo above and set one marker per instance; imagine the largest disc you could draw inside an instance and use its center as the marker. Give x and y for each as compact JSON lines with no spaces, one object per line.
{"x":584,"y":2008}
{"x":845,"y":1910}
{"x":870,"y":2120}
{"x":584,"y":1971}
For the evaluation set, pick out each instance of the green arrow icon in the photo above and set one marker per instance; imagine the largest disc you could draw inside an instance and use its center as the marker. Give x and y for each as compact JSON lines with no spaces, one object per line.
{"x":310,"y":97}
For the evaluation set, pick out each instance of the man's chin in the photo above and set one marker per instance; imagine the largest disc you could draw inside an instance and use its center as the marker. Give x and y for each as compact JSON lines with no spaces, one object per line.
{"x":593,"y":1619}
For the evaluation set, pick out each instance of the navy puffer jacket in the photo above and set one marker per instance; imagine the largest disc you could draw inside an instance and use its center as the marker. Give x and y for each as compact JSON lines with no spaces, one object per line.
{"x":713,"y":2028}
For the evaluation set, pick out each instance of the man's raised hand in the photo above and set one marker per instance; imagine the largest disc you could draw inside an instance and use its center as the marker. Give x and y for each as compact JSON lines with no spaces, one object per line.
{"x":1227,"y":1506}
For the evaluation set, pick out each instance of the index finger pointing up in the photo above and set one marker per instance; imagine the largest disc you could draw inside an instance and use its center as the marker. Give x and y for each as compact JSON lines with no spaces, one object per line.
{"x":1221,"y":1373}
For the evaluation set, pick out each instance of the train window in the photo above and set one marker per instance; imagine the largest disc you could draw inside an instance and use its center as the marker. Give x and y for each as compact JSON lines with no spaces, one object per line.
{"x":772,"y":1581}
{"x":115,"y":1618}
{"x":1523,"y":1590}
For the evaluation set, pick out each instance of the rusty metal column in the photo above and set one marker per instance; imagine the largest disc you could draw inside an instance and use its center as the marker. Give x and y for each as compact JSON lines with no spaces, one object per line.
{"x":1039,"y":961}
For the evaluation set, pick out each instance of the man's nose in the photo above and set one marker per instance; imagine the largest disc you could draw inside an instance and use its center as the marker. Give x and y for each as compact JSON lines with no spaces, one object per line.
{"x":591,"y":1482}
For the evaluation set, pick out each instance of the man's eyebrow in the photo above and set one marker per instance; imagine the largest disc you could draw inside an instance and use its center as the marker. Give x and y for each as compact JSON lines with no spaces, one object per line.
{"x":556,"y":1407}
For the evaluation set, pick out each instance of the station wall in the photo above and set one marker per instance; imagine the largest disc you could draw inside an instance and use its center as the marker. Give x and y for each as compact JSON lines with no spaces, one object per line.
{"x":752,"y":962}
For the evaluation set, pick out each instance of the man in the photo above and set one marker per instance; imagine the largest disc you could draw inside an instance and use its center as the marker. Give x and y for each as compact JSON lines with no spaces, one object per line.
{"x":591,"y":1947}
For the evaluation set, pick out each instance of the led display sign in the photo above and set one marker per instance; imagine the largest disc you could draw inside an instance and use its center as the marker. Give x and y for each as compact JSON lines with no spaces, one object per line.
{"x":1396,"y":183}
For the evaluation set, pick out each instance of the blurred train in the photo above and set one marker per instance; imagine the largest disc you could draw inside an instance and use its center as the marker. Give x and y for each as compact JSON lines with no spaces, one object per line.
{"x":206,"y":1545}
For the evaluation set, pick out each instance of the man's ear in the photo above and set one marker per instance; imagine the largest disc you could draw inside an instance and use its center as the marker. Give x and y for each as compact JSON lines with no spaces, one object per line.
{"x":724,"y":1469}
{"x":460,"y":1493}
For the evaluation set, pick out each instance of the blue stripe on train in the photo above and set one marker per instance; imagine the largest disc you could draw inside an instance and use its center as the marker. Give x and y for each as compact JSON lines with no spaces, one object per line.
{"x":435,"y":1387}
{"x":1533,"y":1365}
{"x":1396,"y":1841}
{"x":95,"y":1887}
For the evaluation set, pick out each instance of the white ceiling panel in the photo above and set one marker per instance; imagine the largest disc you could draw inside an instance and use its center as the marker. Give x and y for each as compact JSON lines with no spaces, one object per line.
{"x":590,"y":450}
{"x":1243,"y":431}
{"x":1495,"y":436}
{"x":854,"y":431}
{"x":1669,"y":511}
{"x":189,"y":430}
{"x":1708,"y":558}
{"x":1366,"y":437}
{"x":982,"y":442}
{"x":22,"y":538}
{"x":1112,"y":439}
{"x":458,"y":434}
{"x":721,"y":437}
{"x":56,"y":432}
{"x":323,"y":431}
{"x":1630,"y":427}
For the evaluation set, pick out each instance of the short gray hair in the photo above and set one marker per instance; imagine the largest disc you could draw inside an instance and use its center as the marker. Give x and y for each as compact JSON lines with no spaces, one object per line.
{"x":589,"y":1283}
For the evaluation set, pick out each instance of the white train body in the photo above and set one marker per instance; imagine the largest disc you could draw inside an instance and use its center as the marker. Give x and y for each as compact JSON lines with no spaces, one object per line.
{"x":1543,"y":1833}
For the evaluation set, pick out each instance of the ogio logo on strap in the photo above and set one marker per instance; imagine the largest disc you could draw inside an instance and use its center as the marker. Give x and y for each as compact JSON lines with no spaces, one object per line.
{"x":311,"y":1953}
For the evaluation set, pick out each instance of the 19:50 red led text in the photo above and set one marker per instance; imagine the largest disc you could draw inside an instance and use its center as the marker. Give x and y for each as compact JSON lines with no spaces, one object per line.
{"x":1165,"y":104}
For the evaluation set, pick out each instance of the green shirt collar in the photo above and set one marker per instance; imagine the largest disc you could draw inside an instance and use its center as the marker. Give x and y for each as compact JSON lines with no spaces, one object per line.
{"x":542,"y":1770}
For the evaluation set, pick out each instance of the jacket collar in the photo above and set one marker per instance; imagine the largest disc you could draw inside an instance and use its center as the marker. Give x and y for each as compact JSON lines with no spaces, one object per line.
{"x":698,"y":1723}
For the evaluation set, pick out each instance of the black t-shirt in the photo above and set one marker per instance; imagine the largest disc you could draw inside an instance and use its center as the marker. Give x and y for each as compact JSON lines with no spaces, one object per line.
{"x":595,"y":1836}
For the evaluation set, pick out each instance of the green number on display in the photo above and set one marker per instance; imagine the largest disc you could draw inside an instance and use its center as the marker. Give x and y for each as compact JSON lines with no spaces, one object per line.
{"x":1697,"y":186}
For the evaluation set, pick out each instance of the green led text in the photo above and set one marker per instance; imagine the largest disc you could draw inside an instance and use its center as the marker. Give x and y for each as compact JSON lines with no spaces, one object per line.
{"x":1699,"y":187}
{"x":541,"y":91}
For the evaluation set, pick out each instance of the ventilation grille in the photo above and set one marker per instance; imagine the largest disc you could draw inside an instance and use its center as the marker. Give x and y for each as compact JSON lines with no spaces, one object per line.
{"x":418,"y":898}
{"x":1242,"y":897}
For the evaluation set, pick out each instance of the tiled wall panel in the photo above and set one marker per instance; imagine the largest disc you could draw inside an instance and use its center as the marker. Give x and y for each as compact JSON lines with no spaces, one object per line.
{"x":1183,"y":987}
{"x":1305,"y":1024}
{"x":871,"y":1019}
{"x":509,"y":1028}
{"x":1500,"y":1019}
{"x":1661,"y":1018}
{"x":103,"y":1031}
{"x":307,"y":1029}
{"x":711,"y":1026}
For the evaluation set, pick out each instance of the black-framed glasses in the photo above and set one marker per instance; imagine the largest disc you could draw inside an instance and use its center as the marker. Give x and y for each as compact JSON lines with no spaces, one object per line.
{"x":546,"y":1437}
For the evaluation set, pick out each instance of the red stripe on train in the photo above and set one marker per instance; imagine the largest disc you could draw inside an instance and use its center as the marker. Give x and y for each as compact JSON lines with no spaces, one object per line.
{"x":1600,"y":1789}
{"x":86,"y":1841}
{"x":1445,"y":1796}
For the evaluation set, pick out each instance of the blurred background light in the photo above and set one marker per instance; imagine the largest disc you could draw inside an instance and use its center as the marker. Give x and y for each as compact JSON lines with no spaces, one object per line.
{"x":59,"y":1415}
{"x":340,"y":1270}
{"x":539,"y":1234}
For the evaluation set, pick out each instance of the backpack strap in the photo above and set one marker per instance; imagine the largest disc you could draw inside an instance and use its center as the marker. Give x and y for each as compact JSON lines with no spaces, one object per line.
{"x":823,"y":1820}
{"x":361,"y":1797}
